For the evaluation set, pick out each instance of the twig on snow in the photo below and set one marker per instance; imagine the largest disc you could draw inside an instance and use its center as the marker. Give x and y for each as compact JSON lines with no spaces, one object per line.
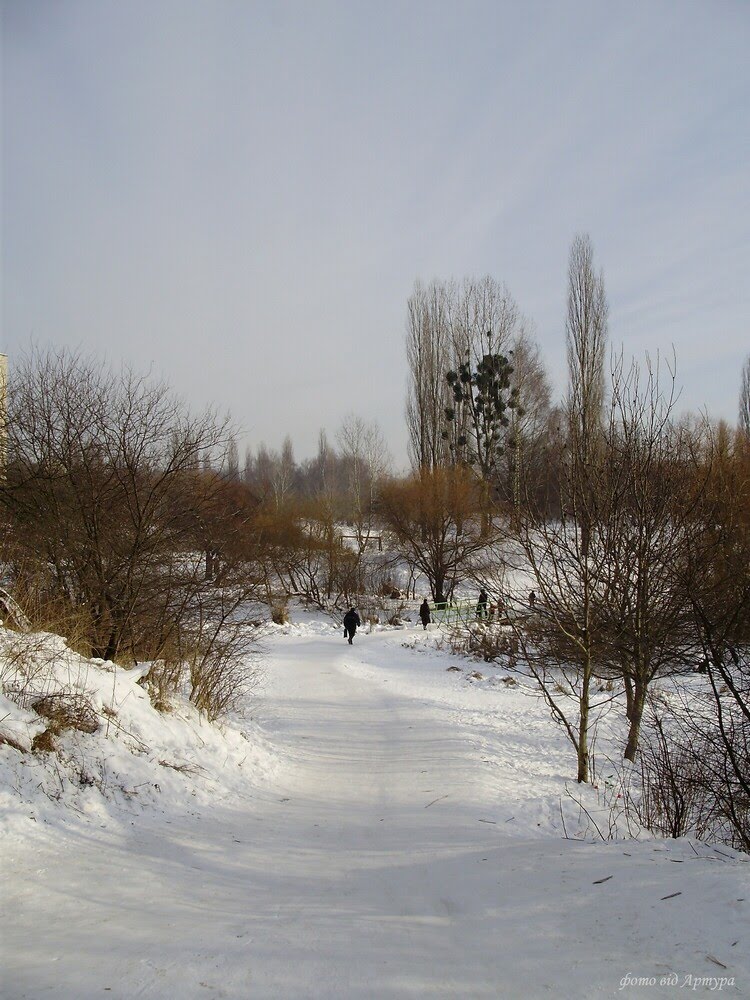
{"x":438,"y":799}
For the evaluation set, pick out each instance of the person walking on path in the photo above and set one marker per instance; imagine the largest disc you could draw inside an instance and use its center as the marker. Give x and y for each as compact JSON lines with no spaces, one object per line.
{"x":351,"y":624}
{"x":424,"y":613}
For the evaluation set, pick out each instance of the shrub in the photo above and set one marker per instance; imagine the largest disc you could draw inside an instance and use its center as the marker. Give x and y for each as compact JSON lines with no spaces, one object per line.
{"x":67,"y":710}
{"x":672,"y":799}
{"x":280,"y":613}
{"x":163,"y":680}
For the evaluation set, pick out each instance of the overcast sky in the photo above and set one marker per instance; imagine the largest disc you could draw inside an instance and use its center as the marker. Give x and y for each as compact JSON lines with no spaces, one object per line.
{"x":240,"y":195}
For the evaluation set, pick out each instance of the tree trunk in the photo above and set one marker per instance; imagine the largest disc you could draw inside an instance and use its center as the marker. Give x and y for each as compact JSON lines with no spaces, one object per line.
{"x":486,"y":512}
{"x":101,"y":645}
{"x":639,"y":701}
{"x":112,"y":646}
{"x":583,"y":725}
{"x":628,"y":697}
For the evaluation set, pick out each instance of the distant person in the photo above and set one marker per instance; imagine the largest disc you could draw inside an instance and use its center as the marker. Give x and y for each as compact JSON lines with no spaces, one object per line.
{"x":424,"y":613}
{"x":351,"y":624}
{"x":532,"y":600}
{"x":482,"y":604}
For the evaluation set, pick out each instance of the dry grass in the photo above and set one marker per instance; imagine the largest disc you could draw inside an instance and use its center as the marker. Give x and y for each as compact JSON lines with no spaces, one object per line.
{"x":64,"y":710}
{"x":164,"y":680}
{"x":44,"y":742}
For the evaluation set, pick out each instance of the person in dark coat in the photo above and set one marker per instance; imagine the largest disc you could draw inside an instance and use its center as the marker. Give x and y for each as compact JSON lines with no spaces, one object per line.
{"x":351,"y":624}
{"x":482,"y":604}
{"x":424,"y":613}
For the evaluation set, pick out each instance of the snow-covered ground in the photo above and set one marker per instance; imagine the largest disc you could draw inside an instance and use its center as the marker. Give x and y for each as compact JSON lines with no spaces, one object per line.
{"x":380,"y":827}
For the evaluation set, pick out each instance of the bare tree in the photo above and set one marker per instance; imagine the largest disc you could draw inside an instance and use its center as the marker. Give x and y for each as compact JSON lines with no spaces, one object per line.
{"x":483,"y":304}
{"x":567,"y":571}
{"x":247,"y":469}
{"x":366,"y":454}
{"x":429,"y":356}
{"x":695,"y":748}
{"x":606,"y":570}
{"x":716,"y":583}
{"x":483,"y":402}
{"x":450,"y":327}
{"x":643,"y":610}
{"x":586,"y":338}
{"x":304,"y":554}
{"x":524,"y":459}
{"x":105,"y":498}
{"x":284,"y":472}
{"x":433,"y":519}
{"x":272,"y":474}
{"x":744,"y":409}
{"x":323,"y":465}
{"x":486,"y":327}
{"x":560,"y":636}
{"x":232,"y":464}
{"x":261,"y":477}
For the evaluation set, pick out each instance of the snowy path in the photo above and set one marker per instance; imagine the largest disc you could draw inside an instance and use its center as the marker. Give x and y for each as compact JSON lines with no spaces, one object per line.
{"x":379,"y":864}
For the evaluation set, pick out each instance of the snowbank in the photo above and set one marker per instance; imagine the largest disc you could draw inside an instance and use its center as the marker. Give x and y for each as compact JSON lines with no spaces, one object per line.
{"x":80,"y":739}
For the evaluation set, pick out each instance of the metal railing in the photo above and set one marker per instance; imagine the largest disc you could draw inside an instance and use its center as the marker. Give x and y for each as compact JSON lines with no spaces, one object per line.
{"x":455,"y":612}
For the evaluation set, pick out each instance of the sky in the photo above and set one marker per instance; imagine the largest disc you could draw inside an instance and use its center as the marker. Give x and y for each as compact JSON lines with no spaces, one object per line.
{"x":239,"y":196}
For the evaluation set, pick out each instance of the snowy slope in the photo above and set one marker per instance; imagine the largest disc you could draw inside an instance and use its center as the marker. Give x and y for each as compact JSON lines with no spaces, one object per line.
{"x":394,"y":831}
{"x":138,"y":759}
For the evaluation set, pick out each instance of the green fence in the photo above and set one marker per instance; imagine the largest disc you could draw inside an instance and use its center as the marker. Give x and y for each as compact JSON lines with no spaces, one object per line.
{"x":454,"y":612}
